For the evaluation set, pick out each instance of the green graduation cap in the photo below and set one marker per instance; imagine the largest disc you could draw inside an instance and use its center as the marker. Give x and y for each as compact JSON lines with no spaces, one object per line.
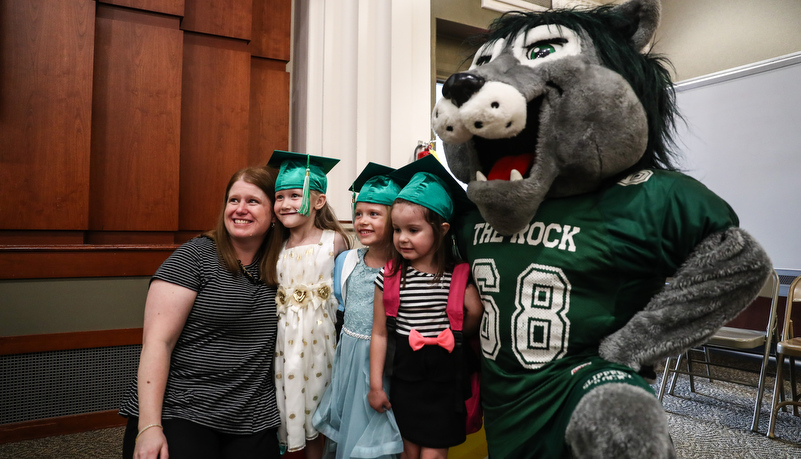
{"x":430,"y":185}
{"x":374,"y":185}
{"x":299,"y":170}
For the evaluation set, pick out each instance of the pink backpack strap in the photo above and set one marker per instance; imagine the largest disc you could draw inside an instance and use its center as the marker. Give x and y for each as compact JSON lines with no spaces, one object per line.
{"x":391,"y":290}
{"x":456,"y":295}
{"x":391,"y":305}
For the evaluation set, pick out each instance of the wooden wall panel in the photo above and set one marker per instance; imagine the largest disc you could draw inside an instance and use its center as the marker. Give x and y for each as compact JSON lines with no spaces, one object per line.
{"x":173,"y":7}
{"x":129,"y":238}
{"x":272,"y":21}
{"x":46,"y":51}
{"x":110,"y":114}
{"x":269,"y":109}
{"x":27,"y":344}
{"x":214,"y":124}
{"x":54,"y":262}
{"x":136,"y":122}
{"x":226,"y":18}
{"x":40,"y":238}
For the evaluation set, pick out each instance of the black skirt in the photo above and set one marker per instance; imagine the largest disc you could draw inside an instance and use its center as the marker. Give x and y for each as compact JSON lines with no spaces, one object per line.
{"x":428,"y":403}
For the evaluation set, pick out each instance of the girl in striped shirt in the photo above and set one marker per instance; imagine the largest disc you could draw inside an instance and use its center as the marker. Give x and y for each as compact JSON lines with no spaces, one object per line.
{"x":426,"y":384}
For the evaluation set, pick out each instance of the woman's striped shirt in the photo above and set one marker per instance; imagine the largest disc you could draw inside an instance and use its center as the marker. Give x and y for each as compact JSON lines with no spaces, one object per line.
{"x":221,"y":367}
{"x":423,"y":303}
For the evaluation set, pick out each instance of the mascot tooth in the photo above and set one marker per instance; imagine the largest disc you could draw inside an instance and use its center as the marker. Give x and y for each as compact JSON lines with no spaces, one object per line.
{"x":562,"y":129}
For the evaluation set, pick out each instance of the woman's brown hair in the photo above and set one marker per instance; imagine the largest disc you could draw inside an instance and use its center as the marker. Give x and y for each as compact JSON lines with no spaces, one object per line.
{"x":264,"y":178}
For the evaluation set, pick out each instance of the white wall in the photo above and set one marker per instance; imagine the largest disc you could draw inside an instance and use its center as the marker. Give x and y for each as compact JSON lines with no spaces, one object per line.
{"x":742,"y":139}
{"x":360,"y":85}
{"x":705,"y":36}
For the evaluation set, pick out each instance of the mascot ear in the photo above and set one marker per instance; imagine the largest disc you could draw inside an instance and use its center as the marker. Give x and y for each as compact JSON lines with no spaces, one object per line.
{"x":643,"y":17}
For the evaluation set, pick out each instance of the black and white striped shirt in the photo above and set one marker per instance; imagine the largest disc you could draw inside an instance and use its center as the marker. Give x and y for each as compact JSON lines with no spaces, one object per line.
{"x":423,"y":303}
{"x":221,"y":371}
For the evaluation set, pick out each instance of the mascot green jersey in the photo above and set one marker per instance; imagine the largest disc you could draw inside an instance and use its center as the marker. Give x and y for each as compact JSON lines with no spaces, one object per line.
{"x":561,"y":128}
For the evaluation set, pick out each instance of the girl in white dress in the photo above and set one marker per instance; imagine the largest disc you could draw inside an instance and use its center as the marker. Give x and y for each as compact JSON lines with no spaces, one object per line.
{"x":306,"y":339}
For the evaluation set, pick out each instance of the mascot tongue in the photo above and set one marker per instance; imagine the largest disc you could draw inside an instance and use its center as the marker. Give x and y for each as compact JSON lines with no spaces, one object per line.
{"x":503,"y":167}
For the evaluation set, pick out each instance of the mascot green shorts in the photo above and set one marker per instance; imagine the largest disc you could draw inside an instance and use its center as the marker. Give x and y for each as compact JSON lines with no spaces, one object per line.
{"x":510,"y":430}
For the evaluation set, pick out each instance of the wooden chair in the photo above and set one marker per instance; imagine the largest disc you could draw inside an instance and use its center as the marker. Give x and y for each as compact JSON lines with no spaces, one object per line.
{"x":790,"y":347}
{"x":737,"y":339}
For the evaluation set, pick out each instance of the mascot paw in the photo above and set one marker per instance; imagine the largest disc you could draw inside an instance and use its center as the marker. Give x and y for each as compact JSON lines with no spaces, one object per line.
{"x":621,"y":421}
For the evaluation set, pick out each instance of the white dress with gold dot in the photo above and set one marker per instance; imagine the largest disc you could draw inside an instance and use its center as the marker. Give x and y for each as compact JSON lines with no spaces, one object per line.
{"x":306,"y":341}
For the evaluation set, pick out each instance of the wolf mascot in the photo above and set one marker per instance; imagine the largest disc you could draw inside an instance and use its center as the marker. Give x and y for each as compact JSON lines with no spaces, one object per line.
{"x":561,"y":128}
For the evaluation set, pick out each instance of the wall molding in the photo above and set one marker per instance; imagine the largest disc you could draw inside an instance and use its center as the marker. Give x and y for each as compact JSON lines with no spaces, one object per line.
{"x":739,"y":72}
{"x":80,"y":260}
{"x":26,"y":344}
{"x":65,"y":425}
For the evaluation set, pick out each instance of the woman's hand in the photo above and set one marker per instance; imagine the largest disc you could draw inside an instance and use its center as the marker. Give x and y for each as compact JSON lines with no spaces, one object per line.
{"x":378,"y":400}
{"x":151,"y":444}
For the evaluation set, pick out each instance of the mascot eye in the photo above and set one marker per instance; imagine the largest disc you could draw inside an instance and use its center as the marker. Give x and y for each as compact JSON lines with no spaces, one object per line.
{"x":540,"y":51}
{"x":487,"y":52}
{"x":483,"y":60}
{"x":545,"y":43}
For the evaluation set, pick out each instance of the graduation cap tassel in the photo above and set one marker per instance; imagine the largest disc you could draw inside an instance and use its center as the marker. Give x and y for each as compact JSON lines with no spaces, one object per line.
{"x":305,"y":202}
{"x":353,"y":203}
{"x":455,"y":248}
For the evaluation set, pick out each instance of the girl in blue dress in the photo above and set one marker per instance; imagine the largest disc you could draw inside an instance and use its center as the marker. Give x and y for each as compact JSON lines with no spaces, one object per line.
{"x":344,"y":416}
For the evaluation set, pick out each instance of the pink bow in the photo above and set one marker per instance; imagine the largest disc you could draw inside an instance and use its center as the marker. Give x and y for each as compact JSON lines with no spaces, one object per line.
{"x":443,"y":340}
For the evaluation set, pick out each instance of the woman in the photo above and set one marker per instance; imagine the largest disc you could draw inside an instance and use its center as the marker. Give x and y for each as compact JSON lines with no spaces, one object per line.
{"x":205,"y":386}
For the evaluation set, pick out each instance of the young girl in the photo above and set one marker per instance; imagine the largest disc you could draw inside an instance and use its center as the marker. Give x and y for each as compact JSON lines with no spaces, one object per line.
{"x":352,"y":427}
{"x":426,"y":394}
{"x":306,"y":338}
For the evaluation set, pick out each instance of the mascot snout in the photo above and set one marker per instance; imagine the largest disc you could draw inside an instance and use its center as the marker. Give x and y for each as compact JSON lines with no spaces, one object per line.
{"x":460,"y":87}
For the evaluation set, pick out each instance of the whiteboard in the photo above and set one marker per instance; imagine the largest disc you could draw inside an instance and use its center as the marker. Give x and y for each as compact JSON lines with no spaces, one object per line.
{"x":742,"y":139}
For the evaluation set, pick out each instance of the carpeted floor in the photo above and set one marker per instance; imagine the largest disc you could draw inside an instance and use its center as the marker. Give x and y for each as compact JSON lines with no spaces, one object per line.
{"x":97,"y":444}
{"x":714,"y":422}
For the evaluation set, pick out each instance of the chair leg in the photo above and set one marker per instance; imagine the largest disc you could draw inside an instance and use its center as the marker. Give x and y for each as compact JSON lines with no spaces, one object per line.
{"x":707,"y":360}
{"x":690,"y":371}
{"x":793,"y":392}
{"x":778,"y":389}
{"x":760,"y":390}
{"x":663,"y":384}
{"x":675,"y":375}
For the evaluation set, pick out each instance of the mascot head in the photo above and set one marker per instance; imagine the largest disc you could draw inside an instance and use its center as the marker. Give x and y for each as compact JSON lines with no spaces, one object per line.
{"x":556,"y":104}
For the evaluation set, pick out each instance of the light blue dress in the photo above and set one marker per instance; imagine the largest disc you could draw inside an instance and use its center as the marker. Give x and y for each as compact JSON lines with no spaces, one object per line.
{"x":344,"y":416}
